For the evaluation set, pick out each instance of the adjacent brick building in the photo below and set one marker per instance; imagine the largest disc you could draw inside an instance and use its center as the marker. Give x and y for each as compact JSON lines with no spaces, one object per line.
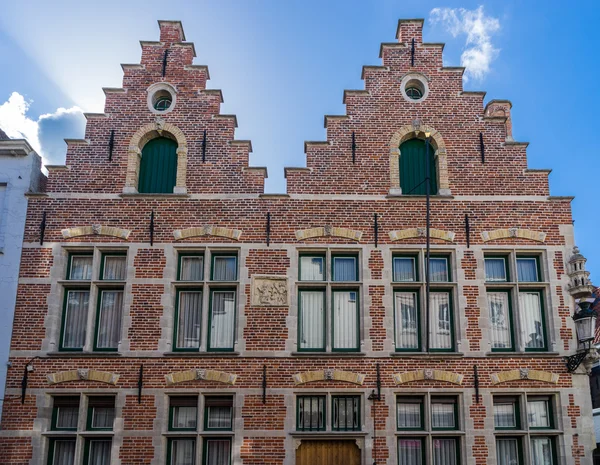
{"x":175,"y":313}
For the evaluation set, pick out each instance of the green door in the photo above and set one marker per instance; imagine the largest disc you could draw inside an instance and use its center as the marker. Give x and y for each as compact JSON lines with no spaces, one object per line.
{"x":413,"y":168}
{"x":158,"y":168}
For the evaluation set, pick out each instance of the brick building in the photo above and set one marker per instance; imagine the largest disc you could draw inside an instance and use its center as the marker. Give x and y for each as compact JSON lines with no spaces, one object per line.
{"x":175,"y":313}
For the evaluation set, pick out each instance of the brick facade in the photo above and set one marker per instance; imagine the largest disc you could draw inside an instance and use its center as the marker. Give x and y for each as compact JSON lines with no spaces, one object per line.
{"x":328,"y":210}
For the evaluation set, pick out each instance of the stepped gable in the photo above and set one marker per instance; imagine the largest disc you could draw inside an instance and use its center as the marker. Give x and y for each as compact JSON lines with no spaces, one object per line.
{"x":195,"y":111}
{"x":381,"y":117}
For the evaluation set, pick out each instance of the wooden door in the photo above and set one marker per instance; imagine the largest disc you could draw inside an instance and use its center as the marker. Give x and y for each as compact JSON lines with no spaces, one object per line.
{"x":328,"y":453}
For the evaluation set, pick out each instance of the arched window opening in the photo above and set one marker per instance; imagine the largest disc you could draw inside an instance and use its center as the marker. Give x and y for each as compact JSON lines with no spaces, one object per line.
{"x":158,"y":167}
{"x":413,"y":168}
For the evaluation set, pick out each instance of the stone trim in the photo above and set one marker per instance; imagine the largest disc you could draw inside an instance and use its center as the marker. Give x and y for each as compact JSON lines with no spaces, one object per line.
{"x":421,"y":232}
{"x":513,"y":232}
{"x":146,"y":133}
{"x":524,"y":373}
{"x":207,"y":230}
{"x":327,"y":231}
{"x":418,"y":375}
{"x":96,"y":230}
{"x":417,"y":129}
{"x":269,"y":291}
{"x":82,"y":374}
{"x":329,"y":375}
{"x":200,"y":374}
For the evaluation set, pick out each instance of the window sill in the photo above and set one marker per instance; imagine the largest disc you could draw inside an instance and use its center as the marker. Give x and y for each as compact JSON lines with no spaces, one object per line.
{"x":417,"y":197}
{"x":201,"y":354}
{"x":75,"y":354}
{"x":328,"y":354}
{"x":328,"y":434}
{"x":420,"y":432}
{"x":154,"y":196}
{"x":65,"y":434}
{"x":427,"y":355}
{"x":531,"y":432}
{"x":187,"y":434}
{"x":521,"y":354}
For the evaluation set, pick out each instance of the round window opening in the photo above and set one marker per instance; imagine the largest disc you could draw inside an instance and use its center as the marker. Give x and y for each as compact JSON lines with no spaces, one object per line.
{"x":162,"y":100}
{"x":414,"y":89}
{"x":414,"y":93}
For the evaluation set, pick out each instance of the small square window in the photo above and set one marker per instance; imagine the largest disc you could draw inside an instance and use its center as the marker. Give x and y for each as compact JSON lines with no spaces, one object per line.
{"x":528,"y":269}
{"x":409,"y":413}
{"x":495,"y":269}
{"x":508,"y":450}
{"x":101,"y":413}
{"x":438,"y":270}
{"x":443,"y":413}
{"x":411,"y":451}
{"x":543,"y":451}
{"x":181,"y":451}
{"x":311,"y":413}
{"x":446,"y":451}
{"x":191,"y":267}
{"x":183,"y":413}
{"x":539,"y":413}
{"x":224,"y":268}
{"x":97,"y":451}
{"x":346,"y":413}
{"x":345,"y":268}
{"x":404,"y":269}
{"x":218,"y":413}
{"x":217,"y":451}
{"x":80,"y":267}
{"x":114,"y":267}
{"x":312,"y":268}
{"x":62,"y":451}
{"x":506,"y":413}
{"x":65,"y":413}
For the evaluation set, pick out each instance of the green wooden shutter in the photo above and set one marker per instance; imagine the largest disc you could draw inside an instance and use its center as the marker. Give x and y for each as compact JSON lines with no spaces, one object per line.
{"x":413,"y":168}
{"x":158,"y":169}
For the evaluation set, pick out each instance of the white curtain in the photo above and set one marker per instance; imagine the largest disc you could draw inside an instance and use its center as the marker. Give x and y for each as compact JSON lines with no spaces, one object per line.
{"x":100,"y":452}
{"x":311,"y":413}
{"x":76,"y":312}
{"x":109,"y":324}
{"x":507,"y":451}
{"x":538,"y":414}
{"x":404,"y":269}
{"x":81,"y":268}
{"x":64,"y":452}
{"x":225,"y":269}
{"x":345,"y":320}
{"x":312,"y":328}
{"x":192,"y":268}
{"x":185,"y":417}
{"x":410,"y":452}
{"x":504,"y":415}
{"x":499,"y":320}
{"x":438,"y":270}
{"x":541,"y":451}
{"x":442,"y":415}
{"x":222,"y":320}
{"x":218,"y":451}
{"x":219,"y":417}
{"x":344,"y":269}
{"x":495,"y":269}
{"x":532,"y":326}
{"x":66,"y":417}
{"x":408,"y":415}
{"x":183,"y":452}
{"x":407,"y":321}
{"x":444,"y":452}
{"x":311,"y":269}
{"x":440,"y":329}
{"x":190,"y":317}
{"x":114,"y":268}
{"x":527,"y":270}
{"x":103,"y":417}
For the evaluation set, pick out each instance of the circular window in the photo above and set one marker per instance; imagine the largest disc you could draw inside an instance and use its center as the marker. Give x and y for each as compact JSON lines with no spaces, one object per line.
{"x":161,"y":98}
{"x":414,"y":87}
{"x":414,"y":93}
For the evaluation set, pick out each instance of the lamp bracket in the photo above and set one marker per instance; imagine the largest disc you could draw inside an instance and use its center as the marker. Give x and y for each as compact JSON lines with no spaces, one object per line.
{"x":574,"y":361}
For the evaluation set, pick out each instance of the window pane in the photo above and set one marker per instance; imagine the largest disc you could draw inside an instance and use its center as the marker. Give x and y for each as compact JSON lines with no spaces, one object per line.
{"x":185,"y":417}
{"x":404,"y":269}
{"x":443,"y":415}
{"x":532,"y":327}
{"x":527,"y":270}
{"x":409,"y":415}
{"x":346,"y":413}
{"x":541,"y":451}
{"x":344,"y":269}
{"x":438,"y":270}
{"x":219,"y":412}
{"x":81,"y":267}
{"x":538,"y":413}
{"x":507,"y":451}
{"x":189,"y":314}
{"x":114,"y":268}
{"x":495,"y":269}
{"x":67,"y":412}
{"x":103,"y":417}
{"x":225,"y":269}
{"x":312,"y":269}
{"x":500,"y":320}
{"x":76,"y":312}
{"x":109,"y":322}
{"x":444,"y":452}
{"x":64,"y":452}
{"x":222,"y":320}
{"x":192,"y":268}
{"x":410,"y":451}
{"x":100,"y":452}
{"x":345,"y":320}
{"x":183,"y":451}
{"x":407,"y":321}
{"x":505,"y":415}
{"x":311,"y":413}
{"x":312,"y":315}
{"x":441,"y":324}
{"x":218,"y":451}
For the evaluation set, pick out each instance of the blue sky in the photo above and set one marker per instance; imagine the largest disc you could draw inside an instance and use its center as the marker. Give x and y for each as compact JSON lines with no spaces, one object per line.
{"x":283,"y":65}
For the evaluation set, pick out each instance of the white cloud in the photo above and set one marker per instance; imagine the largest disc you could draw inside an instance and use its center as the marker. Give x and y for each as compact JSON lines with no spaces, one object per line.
{"x":479,"y":51}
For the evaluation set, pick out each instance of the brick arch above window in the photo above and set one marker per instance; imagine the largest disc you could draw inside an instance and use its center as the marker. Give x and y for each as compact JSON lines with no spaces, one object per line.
{"x":412,"y":131}
{"x":134,"y":154}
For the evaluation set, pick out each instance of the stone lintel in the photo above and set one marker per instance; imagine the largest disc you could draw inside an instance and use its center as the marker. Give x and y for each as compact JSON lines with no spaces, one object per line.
{"x":207,"y":230}
{"x":537,"y":236}
{"x":421,"y":232}
{"x":82,"y":374}
{"x":200,"y":375}
{"x":329,"y":375}
{"x":96,"y":229}
{"x":327,"y":231}
{"x":428,"y":374}
{"x":524,"y":373}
